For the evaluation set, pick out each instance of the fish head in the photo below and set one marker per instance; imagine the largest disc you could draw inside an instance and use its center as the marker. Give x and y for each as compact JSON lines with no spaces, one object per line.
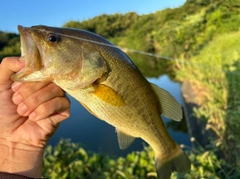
{"x":59,"y":54}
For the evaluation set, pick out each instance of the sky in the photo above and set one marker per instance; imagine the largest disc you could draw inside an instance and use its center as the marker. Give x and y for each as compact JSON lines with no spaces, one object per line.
{"x":57,"y":12}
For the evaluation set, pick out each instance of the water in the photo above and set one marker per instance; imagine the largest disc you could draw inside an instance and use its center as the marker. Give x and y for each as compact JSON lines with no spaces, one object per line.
{"x":97,"y":136}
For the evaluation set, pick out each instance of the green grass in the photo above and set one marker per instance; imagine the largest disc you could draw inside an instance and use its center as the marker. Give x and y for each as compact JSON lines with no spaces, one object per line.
{"x":70,"y":160}
{"x":215,"y":76}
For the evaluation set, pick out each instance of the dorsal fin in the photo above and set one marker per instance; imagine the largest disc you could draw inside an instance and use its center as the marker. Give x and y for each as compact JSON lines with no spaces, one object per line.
{"x":170,"y":107}
{"x":124,"y":140}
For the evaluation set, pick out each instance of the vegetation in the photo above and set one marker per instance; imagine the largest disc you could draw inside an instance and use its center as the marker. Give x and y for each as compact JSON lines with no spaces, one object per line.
{"x":70,"y":160}
{"x":203,"y":35}
{"x":9,"y":44}
{"x":214,"y":76}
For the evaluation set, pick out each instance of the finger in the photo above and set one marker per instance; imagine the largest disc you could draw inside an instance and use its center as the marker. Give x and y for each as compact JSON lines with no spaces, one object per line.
{"x":16,"y":85}
{"x":41,"y":96}
{"x":57,"y":109}
{"x":50,"y":124}
{"x":9,"y":66}
{"x":25,"y":90}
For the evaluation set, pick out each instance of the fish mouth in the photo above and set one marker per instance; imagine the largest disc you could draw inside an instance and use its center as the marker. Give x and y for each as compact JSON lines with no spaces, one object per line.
{"x":29,"y":54}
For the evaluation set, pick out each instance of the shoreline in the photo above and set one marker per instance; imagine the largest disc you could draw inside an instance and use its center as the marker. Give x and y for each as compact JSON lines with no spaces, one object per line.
{"x":196,"y":127}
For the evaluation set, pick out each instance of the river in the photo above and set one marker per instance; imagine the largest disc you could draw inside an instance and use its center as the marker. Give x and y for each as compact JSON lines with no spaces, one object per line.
{"x":97,"y":136}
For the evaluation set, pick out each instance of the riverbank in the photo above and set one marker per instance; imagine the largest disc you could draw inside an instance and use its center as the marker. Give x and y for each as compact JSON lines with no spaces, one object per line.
{"x":196,"y":127}
{"x":211,"y":91}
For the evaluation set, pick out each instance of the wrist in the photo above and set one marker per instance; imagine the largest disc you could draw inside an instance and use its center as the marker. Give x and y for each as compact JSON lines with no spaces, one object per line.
{"x":20,"y":159}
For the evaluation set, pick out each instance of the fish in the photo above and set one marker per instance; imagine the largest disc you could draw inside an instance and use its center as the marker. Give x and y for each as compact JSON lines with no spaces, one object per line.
{"x":108,"y":84}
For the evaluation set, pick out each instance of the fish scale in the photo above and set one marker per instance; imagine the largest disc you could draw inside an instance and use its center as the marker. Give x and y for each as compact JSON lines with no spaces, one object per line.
{"x":145,"y":118}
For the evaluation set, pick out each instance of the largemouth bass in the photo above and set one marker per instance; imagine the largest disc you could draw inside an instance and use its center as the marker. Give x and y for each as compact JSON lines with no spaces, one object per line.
{"x":108,"y":84}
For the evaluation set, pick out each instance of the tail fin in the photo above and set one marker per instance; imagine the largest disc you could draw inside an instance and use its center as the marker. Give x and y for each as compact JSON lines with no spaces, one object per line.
{"x":178,"y":161}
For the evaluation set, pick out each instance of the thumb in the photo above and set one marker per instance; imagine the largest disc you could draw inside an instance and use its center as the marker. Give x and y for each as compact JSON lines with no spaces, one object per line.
{"x":9,"y":66}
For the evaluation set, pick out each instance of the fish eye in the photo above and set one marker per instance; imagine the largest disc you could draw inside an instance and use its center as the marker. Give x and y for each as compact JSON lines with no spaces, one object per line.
{"x":53,"y":38}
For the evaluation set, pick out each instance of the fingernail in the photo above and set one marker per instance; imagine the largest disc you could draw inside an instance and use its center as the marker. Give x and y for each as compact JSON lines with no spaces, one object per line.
{"x":22,"y":109}
{"x":17,"y":98}
{"x":16,"y":86}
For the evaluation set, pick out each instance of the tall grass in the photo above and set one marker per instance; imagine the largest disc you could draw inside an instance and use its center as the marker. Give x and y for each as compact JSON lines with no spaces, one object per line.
{"x":215,"y":76}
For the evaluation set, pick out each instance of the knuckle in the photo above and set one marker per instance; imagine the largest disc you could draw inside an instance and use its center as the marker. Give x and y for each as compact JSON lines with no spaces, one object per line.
{"x":62,"y":104}
{"x":59,"y":103}
{"x":55,"y":105}
{"x":4,"y":60}
{"x":68,"y":101}
{"x":27,"y":88}
{"x":56,"y":89}
{"x":44,"y":108}
{"x":65,"y":103}
{"x":52,"y":105}
{"x":34,"y":100}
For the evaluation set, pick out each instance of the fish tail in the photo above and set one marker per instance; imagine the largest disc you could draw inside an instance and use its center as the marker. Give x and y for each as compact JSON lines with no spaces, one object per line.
{"x":177,"y":161}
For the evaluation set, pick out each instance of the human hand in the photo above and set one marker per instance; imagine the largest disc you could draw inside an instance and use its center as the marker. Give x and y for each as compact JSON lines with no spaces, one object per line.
{"x":29,"y":115}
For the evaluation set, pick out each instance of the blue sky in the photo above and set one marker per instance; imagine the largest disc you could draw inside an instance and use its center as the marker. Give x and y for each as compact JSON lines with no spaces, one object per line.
{"x":57,"y":12}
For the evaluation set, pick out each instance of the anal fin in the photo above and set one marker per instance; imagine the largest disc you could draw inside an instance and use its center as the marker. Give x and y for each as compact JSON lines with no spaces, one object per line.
{"x":124,"y":140}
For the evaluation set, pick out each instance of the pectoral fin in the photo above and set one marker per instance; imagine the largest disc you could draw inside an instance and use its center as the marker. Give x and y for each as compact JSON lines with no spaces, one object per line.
{"x":170,"y":107}
{"x":109,"y":95}
{"x":124,"y":140}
